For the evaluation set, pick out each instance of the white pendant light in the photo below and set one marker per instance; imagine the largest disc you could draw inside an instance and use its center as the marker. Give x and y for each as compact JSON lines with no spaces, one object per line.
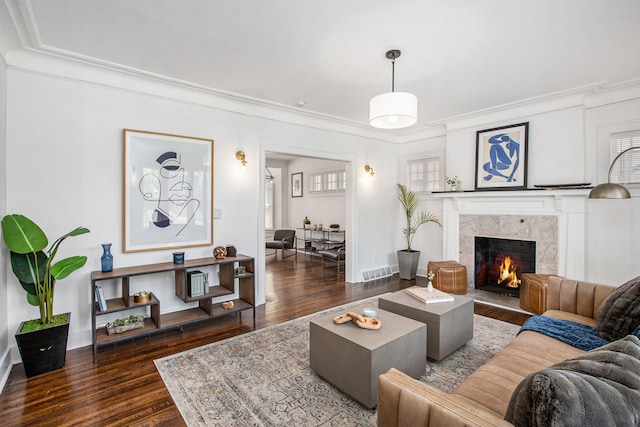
{"x":393,"y":110}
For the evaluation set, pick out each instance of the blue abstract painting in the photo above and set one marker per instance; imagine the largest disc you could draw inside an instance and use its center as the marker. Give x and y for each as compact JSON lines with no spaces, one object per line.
{"x":502,"y":157}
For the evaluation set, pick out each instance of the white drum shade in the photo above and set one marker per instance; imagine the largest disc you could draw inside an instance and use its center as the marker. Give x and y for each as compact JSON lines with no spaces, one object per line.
{"x":393,"y":110}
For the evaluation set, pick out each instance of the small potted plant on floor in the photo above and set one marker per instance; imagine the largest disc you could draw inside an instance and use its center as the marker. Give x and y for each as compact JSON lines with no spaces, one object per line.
{"x":408,"y":258}
{"x":42,"y":342}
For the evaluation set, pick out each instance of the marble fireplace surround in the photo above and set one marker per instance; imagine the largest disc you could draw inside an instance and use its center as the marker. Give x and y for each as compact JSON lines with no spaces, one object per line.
{"x":554,"y":219}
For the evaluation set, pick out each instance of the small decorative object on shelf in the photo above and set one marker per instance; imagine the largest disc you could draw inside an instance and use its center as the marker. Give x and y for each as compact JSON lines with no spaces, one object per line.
{"x":231,"y":251}
{"x":241,"y":270}
{"x":119,"y":326}
{"x":334,"y":226}
{"x":220,"y":252}
{"x":106,"y":259}
{"x":206,"y":283}
{"x":454,"y":183}
{"x":306,"y":222}
{"x":430,"y":277}
{"x":140,"y":297}
{"x":178,"y":257}
{"x":228,"y":305}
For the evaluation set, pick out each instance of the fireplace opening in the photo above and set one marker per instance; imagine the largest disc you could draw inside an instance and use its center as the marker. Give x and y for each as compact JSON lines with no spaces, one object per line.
{"x":500,"y":263}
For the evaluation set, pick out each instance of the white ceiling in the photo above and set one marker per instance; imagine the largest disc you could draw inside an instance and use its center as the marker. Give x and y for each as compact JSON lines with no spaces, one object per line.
{"x":458,"y":56}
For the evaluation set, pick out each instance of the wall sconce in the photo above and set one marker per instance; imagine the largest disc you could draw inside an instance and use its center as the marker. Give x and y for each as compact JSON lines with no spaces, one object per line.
{"x":368,"y":169}
{"x":240,"y":156}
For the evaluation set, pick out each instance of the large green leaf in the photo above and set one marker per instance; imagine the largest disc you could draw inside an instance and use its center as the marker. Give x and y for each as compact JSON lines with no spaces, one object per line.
{"x":33,"y":299}
{"x":24,"y":267}
{"x":21,"y":235}
{"x":65,"y":267}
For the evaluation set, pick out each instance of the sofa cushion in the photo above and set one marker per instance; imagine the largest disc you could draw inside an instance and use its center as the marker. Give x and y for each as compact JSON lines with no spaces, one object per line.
{"x":598,"y":388}
{"x":619,"y":314}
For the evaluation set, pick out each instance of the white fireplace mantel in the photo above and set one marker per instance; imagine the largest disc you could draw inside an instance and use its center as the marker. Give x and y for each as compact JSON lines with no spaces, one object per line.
{"x":569,"y":206}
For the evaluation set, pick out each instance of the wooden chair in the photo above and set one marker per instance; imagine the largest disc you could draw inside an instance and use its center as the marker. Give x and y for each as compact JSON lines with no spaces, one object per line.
{"x":283,"y":240}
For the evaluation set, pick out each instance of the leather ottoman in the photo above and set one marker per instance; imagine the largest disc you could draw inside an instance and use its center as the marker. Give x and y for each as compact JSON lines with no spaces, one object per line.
{"x":450,"y":276}
{"x":533,"y":292}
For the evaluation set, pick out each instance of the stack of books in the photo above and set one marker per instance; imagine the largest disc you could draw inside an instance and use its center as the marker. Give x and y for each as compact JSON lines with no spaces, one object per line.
{"x":195,"y":283}
{"x":102,"y":302}
{"x":421,"y":294}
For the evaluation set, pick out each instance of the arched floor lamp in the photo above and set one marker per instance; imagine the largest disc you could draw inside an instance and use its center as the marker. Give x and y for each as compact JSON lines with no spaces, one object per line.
{"x":611,"y":190}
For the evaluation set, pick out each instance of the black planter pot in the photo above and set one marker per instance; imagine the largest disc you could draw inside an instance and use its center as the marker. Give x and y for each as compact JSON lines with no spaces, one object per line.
{"x":43,"y":350}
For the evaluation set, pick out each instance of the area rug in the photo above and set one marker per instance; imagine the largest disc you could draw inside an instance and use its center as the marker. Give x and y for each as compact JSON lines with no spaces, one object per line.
{"x":263,"y":378}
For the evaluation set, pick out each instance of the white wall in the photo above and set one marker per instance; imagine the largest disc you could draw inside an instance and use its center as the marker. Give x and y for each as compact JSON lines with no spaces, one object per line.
{"x":613,"y":238}
{"x":568,"y":143}
{"x":64,"y":169}
{"x":320,"y":208}
{"x":5,"y":356}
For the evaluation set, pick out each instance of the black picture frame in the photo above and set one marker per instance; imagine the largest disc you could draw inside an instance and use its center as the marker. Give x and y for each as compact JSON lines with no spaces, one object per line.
{"x":296,"y":184}
{"x":501,"y":158}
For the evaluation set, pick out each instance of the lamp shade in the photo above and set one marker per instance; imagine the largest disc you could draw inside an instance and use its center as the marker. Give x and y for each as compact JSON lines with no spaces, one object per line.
{"x":609,"y":191}
{"x":393,"y":110}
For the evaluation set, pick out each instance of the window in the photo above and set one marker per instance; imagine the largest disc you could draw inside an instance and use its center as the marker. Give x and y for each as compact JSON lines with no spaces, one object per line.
{"x":269,"y":204}
{"x":627,"y":168}
{"x":332,"y":181}
{"x":342,"y":180}
{"x":424,"y":174}
{"x":316,"y":182}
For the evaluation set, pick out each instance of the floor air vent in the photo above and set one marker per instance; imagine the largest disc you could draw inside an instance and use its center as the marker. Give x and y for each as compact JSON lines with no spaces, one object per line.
{"x":377,"y":273}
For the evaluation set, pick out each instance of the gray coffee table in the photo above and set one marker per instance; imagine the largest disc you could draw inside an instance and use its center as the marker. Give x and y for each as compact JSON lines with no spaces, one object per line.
{"x":449,"y":324}
{"x":352,"y":358}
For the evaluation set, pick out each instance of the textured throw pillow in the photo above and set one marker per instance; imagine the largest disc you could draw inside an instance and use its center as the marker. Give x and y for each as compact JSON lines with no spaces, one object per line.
{"x":619,"y":313}
{"x":599,"y":388}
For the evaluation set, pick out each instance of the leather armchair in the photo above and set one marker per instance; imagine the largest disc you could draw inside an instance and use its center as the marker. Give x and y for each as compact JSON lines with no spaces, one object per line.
{"x":283,"y":240}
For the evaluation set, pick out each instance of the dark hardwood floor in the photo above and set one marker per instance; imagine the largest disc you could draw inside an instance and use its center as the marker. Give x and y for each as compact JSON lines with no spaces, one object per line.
{"x":124,"y":387}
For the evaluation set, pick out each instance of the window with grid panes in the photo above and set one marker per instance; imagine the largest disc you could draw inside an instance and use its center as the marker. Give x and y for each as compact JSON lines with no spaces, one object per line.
{"x":342,"y":180}
{"x":627,"y":168}
{"x":316,"y":182}
{"x":331,"y":181}
{"x":424,"y":174}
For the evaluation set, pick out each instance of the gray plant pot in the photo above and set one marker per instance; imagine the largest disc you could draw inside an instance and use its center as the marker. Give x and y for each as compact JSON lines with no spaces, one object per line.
{"x":408,"y":263}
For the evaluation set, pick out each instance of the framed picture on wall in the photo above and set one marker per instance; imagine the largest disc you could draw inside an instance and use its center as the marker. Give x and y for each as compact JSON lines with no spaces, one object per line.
{"x":296,"y":184}
{"x":501,"y":157}
{"x":168,"y":191}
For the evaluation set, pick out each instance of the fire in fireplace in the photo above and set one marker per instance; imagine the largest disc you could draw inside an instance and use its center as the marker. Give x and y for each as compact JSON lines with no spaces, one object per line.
{"x":500,"y":264}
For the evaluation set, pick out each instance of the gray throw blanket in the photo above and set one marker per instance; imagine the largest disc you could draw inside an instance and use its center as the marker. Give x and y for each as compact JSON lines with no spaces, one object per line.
{"x":600,"y":388}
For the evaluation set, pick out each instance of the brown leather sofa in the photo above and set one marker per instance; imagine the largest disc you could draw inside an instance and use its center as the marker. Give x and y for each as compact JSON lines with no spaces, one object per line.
{"x":482,"y":399}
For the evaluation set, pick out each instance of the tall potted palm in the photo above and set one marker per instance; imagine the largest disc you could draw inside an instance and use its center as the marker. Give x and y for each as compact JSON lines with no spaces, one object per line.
{"x":408,"y":258}
{"x":42,"y":342}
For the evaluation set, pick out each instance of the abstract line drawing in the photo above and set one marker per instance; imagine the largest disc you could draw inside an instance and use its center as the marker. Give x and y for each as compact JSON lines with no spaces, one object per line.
{"x":168,"y":191}
{"x":173,"y":194}
{"x":501,"y":158}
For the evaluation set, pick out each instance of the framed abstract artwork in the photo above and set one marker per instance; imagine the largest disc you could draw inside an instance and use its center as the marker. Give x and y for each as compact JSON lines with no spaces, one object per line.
{"x":501,"y":157}
{"x":168,"y":191}
{"x":296,"y":184}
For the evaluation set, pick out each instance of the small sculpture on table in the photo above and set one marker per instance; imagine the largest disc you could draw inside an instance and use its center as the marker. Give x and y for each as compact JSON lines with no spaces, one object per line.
{"x":220,"y":252}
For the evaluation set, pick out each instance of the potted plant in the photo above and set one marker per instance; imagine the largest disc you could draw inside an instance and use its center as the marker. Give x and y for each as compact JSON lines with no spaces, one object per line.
{"x":408,"y":258}
{"x":42,"y":342}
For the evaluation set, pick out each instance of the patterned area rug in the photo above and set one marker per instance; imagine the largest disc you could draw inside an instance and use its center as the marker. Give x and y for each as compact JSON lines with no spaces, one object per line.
{"x":263,"y":378}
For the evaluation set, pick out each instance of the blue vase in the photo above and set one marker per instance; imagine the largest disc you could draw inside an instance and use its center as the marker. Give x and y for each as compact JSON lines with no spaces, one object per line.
{"x":107,"y":258}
